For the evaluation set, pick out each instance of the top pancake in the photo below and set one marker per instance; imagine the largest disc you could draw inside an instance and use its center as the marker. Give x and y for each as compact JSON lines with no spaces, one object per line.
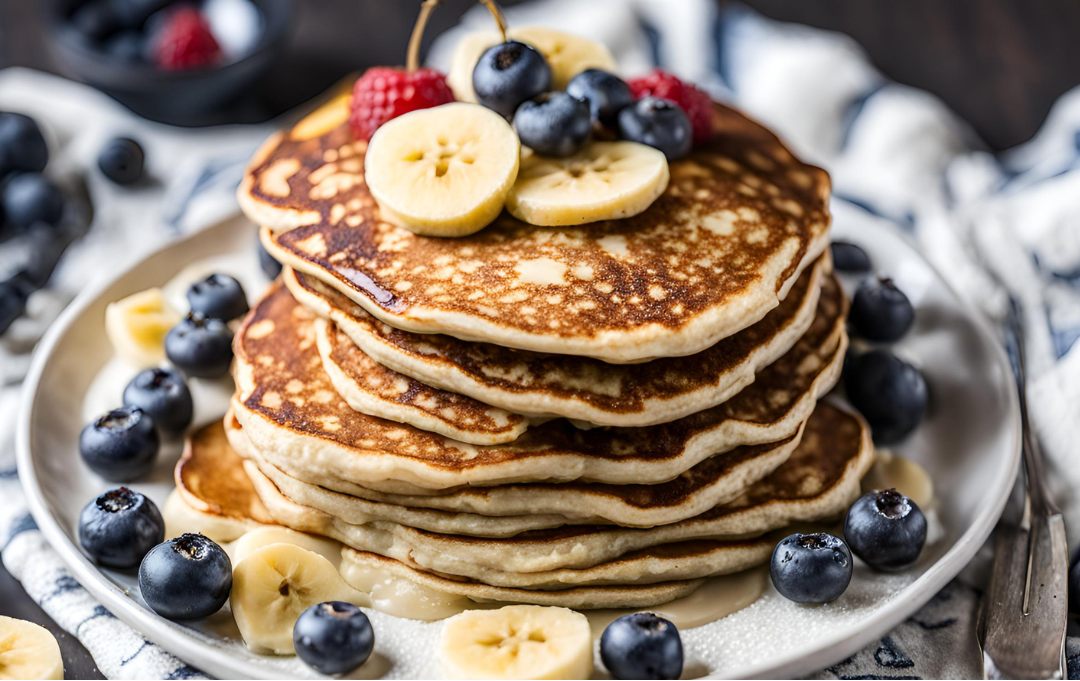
{"x":739,"y":221}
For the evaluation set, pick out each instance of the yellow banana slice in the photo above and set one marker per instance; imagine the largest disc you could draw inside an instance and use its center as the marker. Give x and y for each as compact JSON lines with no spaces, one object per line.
{"x":28,"y":651}
{"x":567,"y":54}
{"x":603,"y":181}
{"x":273,"y":585}
{"x":137,"y":326}
{"x":273,"y":534}
{"x":443,"y":171}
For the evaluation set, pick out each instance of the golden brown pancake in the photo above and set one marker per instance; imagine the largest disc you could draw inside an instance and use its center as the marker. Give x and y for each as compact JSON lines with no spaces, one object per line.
{"x":818,"y":482}
{"x":578,"y":388}
{"x":297,"y":421}
{"x":739,"y":221}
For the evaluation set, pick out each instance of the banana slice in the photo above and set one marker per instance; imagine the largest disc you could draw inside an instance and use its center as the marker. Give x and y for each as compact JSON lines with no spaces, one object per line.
{"x":137,"y":325}
{"x":265,"y":536}
{"x":443,"y":171}
{"x":273,"y":585}
{"x":603,"y":181}
{"x":517,"y":642}
{"x":324,"y":119}
{"x":28,"y":651}
{"x":567,"y":54}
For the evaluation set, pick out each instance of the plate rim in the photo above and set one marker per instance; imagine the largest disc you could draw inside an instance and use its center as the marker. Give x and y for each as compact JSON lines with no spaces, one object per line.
{"x":187,"y":646}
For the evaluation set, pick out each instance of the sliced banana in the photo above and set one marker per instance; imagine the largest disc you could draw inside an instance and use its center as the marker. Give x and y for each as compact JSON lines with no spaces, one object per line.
{"x":28,"y":651}
{"x":567,"y":54}
{"x":324,"y":119}
{"x":137,"y":325}
{"x":443,"y":171}
{"x":275,"y":534}
{"x":517,"y":642}
{"x":273,"y":585}
{"x":603,"y":181}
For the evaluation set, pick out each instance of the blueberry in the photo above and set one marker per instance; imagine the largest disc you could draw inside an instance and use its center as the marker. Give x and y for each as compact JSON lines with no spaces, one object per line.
{"x":508,"y":74}
{"x":22,"y":146}
{"x":642,"y":646}
{"x":847,"y":257}
{"x":659,"y":123}
{"x":186,"y":578}
{"x":605,"y":93}
{"x":120,"y":446}
{"x":118,"y":528}
{"x":30,"y":198}
{"x":553,"y":124}
{"x":219,"y":296}
{"x":121,"y":160}
{"x":886,"y":530}
{"x":881,"y":312}
{"x":333,"y":638}
{"x":126,"y":46}
{"x":270,"y":266}
{"x":200,"y":346}
{"x":13,"y":296}
{"x":163,"y":394}
{"x":890,"y":393}
{"x":811,"y":568}
{"x":95,"y":20}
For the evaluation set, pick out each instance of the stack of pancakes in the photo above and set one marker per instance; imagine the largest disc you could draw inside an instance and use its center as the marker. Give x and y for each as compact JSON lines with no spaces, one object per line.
{"x":596,"y":416}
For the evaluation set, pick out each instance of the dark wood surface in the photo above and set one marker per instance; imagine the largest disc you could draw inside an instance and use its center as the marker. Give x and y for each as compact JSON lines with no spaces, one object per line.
{"x":998,"y":63}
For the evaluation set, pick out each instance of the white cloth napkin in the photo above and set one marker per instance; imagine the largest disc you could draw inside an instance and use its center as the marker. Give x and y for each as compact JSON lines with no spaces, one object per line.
{"x":895,"y":154}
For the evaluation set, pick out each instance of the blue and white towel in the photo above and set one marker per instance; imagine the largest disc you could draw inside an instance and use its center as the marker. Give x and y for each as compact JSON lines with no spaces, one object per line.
{"x":895,"y":154}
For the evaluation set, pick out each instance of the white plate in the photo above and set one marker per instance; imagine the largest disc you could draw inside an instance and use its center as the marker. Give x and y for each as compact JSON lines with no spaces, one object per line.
{"x":969,"y":443}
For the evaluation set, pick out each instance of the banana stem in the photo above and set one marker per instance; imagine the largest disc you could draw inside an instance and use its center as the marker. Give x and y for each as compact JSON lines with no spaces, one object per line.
{"x":412,"y":59}
{"x":496,"y":12}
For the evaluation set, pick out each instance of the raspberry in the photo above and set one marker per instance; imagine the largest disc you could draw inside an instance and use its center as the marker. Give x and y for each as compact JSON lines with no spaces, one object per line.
{"x":185,"y":41}
{"x":696,"y":103}
{"x":383,"y":93}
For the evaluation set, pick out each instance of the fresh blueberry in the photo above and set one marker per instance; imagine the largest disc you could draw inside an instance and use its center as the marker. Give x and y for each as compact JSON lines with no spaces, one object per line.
{"x":121,"y":160}
{"x":22,"y":146}
{"x":127,"y":46}
{"x":847,"y":257}
{"x":642,"y":646}
{"x":95,"y":20}
{"x":186,"y":578}
{"x":333,"y":638}
{"x":200,"y":346}
{"x":163,"y":394}
{"x":606,"y":94}
{"x":118,"y":528}
{"x":886,"y":530}
{"x":219,"y":296}
{"x":890,"y":393}
{"x":881,"y":312}
{"x":659,"y":123}
{"x":811,"y":568}
{"x":509,"y":74}
{"x":30,"y":198}
{"x":270,"y":266}
{"x":122,"y":445}
{"x":13,"y":296}
{"x":553,"y":124}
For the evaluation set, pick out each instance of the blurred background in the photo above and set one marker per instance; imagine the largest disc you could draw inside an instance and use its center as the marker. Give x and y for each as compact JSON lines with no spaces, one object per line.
{"x":999,"y":64}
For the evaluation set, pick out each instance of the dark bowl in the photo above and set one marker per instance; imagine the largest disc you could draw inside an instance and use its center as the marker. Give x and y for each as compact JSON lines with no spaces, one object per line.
{"x":175,"y":97}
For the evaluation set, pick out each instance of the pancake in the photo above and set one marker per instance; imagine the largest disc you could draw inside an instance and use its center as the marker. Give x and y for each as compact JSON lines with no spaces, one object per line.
{"x":740,"y":220}
{"x":210,"y":455}
{"x":296,"y":420}
{"x":372,"y":389}
{"x":575,"y":387}
{"x":819,"y":481}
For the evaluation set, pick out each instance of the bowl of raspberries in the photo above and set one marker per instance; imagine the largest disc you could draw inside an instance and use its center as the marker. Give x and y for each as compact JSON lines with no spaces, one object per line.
{"x":169,"y":60}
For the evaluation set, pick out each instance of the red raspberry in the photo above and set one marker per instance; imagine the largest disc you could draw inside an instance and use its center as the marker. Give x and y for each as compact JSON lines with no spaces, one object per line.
{"x":185,"y":41}
{"x":383,"y":93}
{"x":696,"y":103}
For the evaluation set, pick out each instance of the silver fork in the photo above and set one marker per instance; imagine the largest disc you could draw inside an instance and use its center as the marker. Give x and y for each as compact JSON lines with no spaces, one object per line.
{"x":1024,"y":612}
